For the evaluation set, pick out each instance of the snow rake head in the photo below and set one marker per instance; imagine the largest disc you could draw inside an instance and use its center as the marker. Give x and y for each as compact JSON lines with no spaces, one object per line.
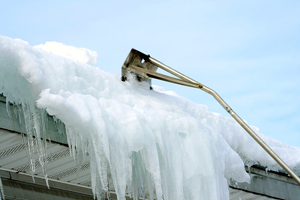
{"x":135,"y":62}
{"x":144,"y":68}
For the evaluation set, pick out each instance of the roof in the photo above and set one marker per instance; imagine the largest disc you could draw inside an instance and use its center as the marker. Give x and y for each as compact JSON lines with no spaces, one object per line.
{"x":66,"y":178}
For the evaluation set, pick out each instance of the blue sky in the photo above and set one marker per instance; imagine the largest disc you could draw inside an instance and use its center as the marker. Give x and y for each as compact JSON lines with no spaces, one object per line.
{"x":247,"y":51}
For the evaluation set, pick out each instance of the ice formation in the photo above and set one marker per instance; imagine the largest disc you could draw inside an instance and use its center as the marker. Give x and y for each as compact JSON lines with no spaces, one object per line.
{"x":150,"y":142}
{"x":1,"y":190}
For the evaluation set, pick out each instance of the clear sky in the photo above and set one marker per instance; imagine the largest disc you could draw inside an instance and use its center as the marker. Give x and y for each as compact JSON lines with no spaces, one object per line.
{"x":247,"y":51}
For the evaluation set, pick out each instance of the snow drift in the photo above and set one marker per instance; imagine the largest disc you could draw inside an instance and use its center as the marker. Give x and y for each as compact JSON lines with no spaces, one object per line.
{"x":150,"y":143}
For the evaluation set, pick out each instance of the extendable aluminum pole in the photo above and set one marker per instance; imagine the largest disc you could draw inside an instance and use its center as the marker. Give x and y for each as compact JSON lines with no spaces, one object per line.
{"x":231,"y":112}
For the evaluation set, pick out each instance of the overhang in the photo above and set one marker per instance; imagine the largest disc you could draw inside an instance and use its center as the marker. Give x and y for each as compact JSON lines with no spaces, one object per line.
{"x":68,"y":180}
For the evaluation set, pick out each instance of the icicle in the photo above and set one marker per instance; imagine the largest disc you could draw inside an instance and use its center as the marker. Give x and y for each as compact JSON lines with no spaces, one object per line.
{"x":35,"y":124}
{"x":35,"y":127}
{"x":108,"y":195}
{"x":8,"y":107}
{"x":267,"y":171}
{"x":39,"y":127}
{"x":2,"y":196}
{"x":71,"y":139}
{"x":95,"y":180}
{"x":143,"y":192}
{"x":249,"y":167}
{"x":29,"y":133}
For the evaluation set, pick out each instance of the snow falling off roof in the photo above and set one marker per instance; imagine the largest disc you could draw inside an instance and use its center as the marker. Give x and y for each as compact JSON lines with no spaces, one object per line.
{"x":149,"y":141}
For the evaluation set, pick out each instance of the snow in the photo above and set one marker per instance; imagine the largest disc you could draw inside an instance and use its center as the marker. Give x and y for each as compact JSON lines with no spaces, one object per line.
{"x":151,"y":142}
{"x":79,"y":54}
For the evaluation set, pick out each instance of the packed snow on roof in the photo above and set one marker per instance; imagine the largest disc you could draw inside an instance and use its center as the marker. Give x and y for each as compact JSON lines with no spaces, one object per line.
{"x":150,"y":142}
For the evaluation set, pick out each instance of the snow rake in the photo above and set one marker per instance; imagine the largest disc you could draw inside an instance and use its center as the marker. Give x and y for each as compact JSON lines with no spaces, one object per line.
{"x":144,"y":68}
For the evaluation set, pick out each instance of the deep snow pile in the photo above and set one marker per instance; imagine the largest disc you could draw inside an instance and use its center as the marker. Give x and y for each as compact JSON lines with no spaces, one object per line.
{"x":151,"y":142}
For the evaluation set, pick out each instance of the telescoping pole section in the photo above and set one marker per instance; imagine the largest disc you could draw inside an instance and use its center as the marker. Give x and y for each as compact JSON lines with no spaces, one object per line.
{"x":184,"y":80}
